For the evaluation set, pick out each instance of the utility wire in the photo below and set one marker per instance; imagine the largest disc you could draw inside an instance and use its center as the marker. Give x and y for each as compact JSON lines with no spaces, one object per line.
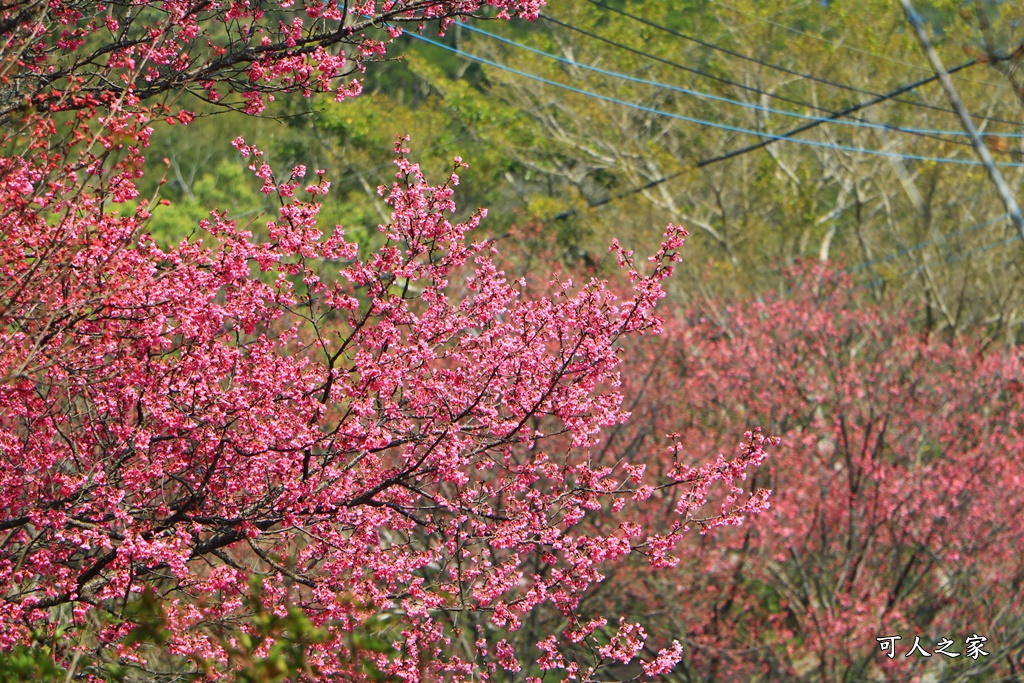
{"x":834,"y":118}
{"x":921,"y":245}
{"x":682,"y":67}
{"x":786,"y":70}
{"x":770,"y":137}
{"x":843,"y":45}
{"x":764,"y":143}
{"x":704,"y":74}
{"x":952,"y":258}
{"x":884,"y":259}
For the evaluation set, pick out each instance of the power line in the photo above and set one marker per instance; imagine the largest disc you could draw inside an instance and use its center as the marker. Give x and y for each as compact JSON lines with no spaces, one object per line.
{"x":857,"y":123}
{"x":921,"y":245}
{"x":682,"y":67}
{"x":765,"y":143}
{"x":1005,"y":194}
{"x":786,"y":70}
{"x":953,"y":258}
{"x":714,"y":124}
{"x":704,"y":74}
{"x":916,"y":67}
{"x":767,"y":138}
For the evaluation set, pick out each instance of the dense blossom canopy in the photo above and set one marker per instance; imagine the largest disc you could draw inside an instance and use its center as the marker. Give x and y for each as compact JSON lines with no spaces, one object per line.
{"x":898,"y":504}
{"x":360,"y":441}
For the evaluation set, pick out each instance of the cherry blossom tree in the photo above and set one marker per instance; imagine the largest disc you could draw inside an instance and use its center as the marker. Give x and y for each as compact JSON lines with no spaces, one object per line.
{"x":898,"y":500}
{"x":393,"y":450}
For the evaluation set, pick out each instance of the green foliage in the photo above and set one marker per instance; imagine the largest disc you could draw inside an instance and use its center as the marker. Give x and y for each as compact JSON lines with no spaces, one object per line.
{"x":30,"y":663}
{"x":290,"y":637}
{"x":228,"y":186}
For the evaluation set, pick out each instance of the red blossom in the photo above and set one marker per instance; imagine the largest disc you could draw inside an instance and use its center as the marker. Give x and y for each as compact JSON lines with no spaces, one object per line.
{"x":407,"y":438}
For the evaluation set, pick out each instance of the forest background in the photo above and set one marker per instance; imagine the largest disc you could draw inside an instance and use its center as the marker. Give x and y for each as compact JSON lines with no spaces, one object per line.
{"x":852,"y":283}
{"x":573,"y":159}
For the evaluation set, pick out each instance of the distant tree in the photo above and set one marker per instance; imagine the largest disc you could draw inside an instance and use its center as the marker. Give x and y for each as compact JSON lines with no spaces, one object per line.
{"x":930,"y":229}
{"x":899,"y":492}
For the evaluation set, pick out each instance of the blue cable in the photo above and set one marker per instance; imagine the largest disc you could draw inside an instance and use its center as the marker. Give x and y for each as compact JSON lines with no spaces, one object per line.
{"x":921,"y":245}
{"x":726,"y":100}
{"x":710,"y":124}
{"x":889,"y":257}
{"x":952,"y":258}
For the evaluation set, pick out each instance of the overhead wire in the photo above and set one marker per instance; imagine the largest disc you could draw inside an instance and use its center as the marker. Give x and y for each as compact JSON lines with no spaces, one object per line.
{"x":892,"y":256}
{"x":682,"y":67}
{"x":764,"y":143}
{"x":845,"y":46}
{"x":786,"y":70}
{"x":704,"y":74}
{"x":853,"y":122}
{"x":892,"y":95}
{"x":768,"y":137}
{"x":884,"y":259}
{"x":953,"y":258}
